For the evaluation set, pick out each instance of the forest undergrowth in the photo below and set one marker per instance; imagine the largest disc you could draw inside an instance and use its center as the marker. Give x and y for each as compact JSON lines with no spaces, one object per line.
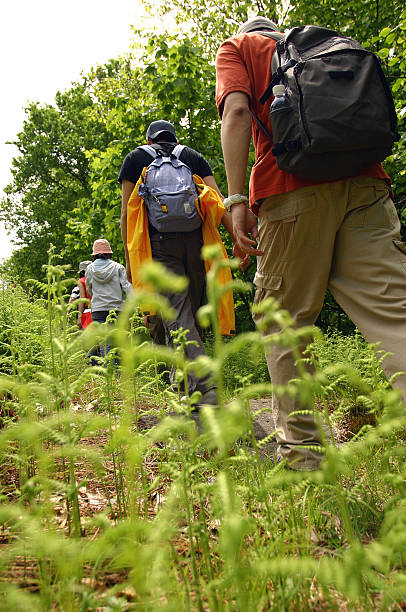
{"x":112,"y":499}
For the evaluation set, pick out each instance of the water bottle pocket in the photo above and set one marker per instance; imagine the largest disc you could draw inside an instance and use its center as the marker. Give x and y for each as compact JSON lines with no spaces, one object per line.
{"x":285,"y":133}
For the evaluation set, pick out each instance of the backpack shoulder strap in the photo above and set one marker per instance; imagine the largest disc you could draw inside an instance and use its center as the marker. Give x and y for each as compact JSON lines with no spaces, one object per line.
{"x":275,"y":59}
{"x":261,"y":126}
{"x":274,"y":35}
{"x":150,"y":150}
{"x":274,"y":64}
{"x":176,"y":151}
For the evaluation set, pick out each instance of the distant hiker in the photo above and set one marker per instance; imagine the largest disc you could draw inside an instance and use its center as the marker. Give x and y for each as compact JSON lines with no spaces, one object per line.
{"x":171,"y":207}
{"x":343,"y":234}
{"x":84,"y":313}
{"x":107,"y":283}
{"x":75,"y":294}
{"x":79,"y":291}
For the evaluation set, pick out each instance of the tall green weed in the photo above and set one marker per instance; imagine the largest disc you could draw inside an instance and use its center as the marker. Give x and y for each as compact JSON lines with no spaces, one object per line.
{"x":112,"y":499}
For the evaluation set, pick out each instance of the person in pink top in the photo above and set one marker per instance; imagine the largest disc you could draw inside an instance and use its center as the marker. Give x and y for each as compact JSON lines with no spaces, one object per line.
{"x":84,"y":313}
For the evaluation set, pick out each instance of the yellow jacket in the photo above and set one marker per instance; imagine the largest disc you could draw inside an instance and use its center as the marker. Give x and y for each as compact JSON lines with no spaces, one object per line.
{"x":211,"y":210}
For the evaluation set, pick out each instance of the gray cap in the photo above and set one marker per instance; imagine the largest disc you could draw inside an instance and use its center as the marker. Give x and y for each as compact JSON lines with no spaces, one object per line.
{"x":156,"y":128}
{"x":83,"y":265}
{"x":256,"y":24}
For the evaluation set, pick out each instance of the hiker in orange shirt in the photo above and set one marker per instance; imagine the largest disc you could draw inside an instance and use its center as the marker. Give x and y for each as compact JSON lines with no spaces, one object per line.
{"x":342,"y":233}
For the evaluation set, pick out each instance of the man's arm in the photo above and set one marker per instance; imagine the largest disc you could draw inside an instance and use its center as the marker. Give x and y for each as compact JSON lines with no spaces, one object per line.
{"x":211,"y":182}
{"x":227,"y":222}
{"x":235,"y":141}
{"x":127,"y":188}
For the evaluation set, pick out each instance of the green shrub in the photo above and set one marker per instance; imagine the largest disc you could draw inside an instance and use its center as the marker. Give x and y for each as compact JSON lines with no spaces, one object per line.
{"x":121,"y":503}
{"x":24,"y":339}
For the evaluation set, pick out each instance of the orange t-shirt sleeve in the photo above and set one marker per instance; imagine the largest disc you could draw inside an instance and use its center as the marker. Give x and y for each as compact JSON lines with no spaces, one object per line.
{"x":231,"y":74}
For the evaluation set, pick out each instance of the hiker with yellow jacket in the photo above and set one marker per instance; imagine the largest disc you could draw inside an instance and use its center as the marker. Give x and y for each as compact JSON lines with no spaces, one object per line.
{"x":170,"y":223}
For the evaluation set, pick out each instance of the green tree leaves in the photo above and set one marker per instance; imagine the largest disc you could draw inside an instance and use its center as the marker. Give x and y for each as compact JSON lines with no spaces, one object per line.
{"x":65,"y":188}
{"x":51,"y":172}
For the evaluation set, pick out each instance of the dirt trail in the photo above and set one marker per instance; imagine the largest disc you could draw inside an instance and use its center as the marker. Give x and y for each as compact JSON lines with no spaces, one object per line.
{"x":263,"y":424}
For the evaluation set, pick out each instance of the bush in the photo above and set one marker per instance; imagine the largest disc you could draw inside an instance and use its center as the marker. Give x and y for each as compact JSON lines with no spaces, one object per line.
{"x":24,"y":339}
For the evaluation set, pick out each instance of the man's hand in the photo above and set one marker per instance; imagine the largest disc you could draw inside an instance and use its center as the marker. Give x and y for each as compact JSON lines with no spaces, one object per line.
{"x":252,"y":226}
{"x":245,"y":258}
{"x":235,"y":141}
{"x":244,"y":223}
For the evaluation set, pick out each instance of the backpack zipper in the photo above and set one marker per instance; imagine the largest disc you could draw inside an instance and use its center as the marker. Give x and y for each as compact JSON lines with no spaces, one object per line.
{"x":296,"y":72}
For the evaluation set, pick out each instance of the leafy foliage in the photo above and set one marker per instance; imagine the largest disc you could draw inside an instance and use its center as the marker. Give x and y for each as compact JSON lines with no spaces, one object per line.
{"x":173,"y":81}
{"x":120,"y":501}
{"x":23,"y":335}
{"x":392,"y":51}
{"x":51,"y":172}
{"x":65,"y":188}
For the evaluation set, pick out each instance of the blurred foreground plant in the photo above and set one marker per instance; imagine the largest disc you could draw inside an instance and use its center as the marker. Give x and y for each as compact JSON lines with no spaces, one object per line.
{"x":190,"y":519}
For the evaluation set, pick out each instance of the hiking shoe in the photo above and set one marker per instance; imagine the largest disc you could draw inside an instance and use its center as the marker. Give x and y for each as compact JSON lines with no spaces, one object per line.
{"x":195,"y":417}
{"x":209,"y":398}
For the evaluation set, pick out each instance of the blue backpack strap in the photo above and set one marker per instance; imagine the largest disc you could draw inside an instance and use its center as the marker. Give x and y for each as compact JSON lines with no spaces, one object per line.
{"x":150,"y":150}
{"x":176,"y":151}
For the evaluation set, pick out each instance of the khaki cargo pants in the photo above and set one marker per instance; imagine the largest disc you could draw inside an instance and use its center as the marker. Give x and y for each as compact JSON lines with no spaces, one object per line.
{"x":345,"y":236}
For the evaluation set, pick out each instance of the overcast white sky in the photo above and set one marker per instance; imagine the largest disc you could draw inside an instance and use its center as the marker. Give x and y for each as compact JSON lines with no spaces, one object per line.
{"x":44,"y":46}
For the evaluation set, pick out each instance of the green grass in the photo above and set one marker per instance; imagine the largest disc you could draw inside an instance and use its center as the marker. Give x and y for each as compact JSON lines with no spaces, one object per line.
{"x":112,"y":500}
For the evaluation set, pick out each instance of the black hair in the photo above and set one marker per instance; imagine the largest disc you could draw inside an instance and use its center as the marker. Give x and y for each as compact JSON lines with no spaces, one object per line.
{"x":102,"y":256}
{"x":82,"y":273}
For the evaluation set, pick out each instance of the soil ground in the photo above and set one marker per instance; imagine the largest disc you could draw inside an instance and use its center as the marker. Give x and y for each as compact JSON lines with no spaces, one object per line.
{"x":263,"y":424}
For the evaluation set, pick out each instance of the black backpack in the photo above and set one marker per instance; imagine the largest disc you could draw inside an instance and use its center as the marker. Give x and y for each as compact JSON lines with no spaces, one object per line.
{"x":340,"y":115}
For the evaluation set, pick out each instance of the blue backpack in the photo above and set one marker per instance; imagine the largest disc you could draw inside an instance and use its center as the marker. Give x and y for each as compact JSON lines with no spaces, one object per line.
{"x":169,"y":192}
